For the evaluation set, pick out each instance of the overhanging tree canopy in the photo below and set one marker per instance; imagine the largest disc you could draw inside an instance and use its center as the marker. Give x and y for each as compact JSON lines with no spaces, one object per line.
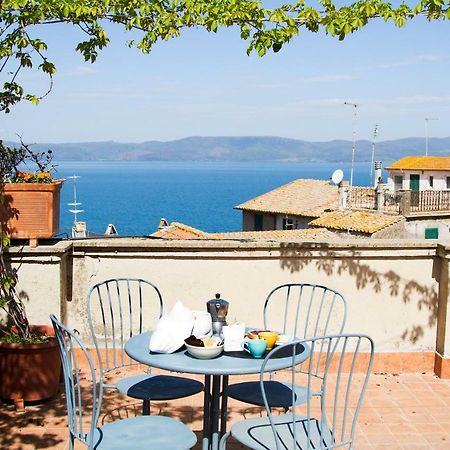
{"x":265,"y":28}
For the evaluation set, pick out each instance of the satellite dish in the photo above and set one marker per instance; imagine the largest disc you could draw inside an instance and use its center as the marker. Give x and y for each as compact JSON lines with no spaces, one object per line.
{"x":337,"y":176}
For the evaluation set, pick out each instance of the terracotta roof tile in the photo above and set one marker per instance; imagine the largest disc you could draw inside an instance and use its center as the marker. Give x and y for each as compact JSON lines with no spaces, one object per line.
{"x":300,"y":197}
{"x":301,"y":234}
{"x":360,"y":221}
{"x":179,"y":231}
{"x":421,"y":163}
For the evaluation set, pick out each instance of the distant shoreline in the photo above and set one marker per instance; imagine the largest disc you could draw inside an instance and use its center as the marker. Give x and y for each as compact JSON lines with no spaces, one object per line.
{"x":243,"y":150}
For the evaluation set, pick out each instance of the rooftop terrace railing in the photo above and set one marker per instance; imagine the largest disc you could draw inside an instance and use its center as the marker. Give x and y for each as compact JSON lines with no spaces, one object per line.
{"x":429,"y":201}
{"x":361,"y":197}
{"x":404,"y":202}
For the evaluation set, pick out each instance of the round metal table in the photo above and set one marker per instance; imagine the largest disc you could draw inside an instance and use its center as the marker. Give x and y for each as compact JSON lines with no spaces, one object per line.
{"x":219,"y":368}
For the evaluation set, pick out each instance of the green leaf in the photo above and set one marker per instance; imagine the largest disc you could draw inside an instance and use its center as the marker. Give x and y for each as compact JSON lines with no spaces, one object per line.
{"x":276,"y":47}
{"x":48,"y":67}
{"x":32,"y":98}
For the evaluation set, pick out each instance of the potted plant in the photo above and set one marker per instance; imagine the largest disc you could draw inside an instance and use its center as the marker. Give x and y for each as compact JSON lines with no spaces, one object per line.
{"x":33,"y":196}
{"x":29,"y":359}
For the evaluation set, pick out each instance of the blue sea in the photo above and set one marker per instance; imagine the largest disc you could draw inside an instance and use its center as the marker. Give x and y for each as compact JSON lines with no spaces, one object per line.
{"x":135,"y":195}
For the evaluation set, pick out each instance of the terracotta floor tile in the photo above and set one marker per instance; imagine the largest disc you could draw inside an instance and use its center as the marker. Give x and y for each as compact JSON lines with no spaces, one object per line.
{"x":386,"y":447}
{"x":380,"y":439}
{"x":436,"y":438}
{"x":410,"y":439}
{"x":402,"y":427}
{"x":370,"y":429}
{"x":408,"y":411}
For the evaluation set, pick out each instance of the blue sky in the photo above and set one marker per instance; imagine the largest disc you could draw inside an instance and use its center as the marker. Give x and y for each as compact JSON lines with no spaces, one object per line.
{"x":205,"y":84}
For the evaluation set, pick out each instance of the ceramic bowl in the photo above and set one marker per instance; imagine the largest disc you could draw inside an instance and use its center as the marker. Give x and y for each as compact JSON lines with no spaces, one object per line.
{"x":270,"y":336}
{"x":253,"y":334}
{"x":204,"y":352}
{"x":284,"y":339}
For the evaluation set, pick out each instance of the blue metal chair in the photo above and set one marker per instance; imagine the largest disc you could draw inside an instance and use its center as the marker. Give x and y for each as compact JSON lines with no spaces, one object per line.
{"x":300,"y":310}
{"x":84,"y":406}
{"x":327,"y":420}
{"x":118,"y":309}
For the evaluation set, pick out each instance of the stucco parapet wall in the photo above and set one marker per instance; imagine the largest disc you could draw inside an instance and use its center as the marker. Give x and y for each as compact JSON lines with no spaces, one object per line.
{"x":339,"y":248}
{"x":443,"y":250}
{"x":54,"y":252}
{"x":231,"y":248}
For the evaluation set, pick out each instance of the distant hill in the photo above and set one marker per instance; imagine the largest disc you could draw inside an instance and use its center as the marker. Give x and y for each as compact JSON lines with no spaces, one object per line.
{"x":243,"y":149}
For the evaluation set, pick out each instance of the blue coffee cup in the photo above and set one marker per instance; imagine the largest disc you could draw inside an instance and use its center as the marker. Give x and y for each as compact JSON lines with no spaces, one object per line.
{"x":256,"y":347}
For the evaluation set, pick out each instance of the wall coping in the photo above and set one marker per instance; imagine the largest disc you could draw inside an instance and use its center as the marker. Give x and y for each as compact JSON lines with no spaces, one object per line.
{"x":340,"y":247}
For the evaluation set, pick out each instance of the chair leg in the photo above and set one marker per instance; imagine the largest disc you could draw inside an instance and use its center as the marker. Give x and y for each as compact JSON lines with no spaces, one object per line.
{"x":223,"y":441}
{"x":146,"y":408}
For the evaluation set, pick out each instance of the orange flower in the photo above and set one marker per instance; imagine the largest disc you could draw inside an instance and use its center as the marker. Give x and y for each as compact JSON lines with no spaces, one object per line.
{"x":25,"y":176}
{"x":38,"y":177}
{"x":44,"y":176}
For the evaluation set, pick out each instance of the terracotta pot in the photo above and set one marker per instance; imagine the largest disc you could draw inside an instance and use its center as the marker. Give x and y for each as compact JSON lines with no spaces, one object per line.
{"x":32,"y":210}
{"x":30,"y":372}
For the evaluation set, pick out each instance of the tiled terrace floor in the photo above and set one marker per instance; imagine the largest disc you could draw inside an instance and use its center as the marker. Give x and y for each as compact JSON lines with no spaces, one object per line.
{"x":407,"y":411}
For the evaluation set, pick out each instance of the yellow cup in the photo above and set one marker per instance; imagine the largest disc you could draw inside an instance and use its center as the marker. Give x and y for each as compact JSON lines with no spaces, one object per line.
{"x":270,"y":337}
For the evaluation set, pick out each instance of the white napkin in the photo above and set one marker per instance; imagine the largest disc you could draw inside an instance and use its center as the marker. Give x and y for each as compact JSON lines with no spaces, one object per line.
{"x":233,"y":336}
{"x":202,"y":324}
{"x":172,"y":329}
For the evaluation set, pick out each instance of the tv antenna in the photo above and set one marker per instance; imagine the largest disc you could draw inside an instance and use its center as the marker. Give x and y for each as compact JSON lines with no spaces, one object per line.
{"x":375,"y":134}
{"x":75,"y":204}
{"x":355,"y":106}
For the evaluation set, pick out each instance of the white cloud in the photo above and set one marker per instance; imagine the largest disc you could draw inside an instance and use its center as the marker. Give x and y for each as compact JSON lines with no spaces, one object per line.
{"x":81,"y":71}
{"x":413,"y":60}
{"x":330,"y":78}
{"x":411,"y":100}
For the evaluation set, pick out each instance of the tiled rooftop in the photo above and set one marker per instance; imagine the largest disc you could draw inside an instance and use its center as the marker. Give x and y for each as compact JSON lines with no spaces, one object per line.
{"x":421,"y":163}
{"x":301,"y":197}
{"x":360,"y":221}
{"x":178,"y":230}
{"x":274,"y":235}
{"x":407,"y":411}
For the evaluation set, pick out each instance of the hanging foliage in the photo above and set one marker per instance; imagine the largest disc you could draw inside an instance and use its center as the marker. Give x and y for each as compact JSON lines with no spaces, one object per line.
{"x":265,"y":29}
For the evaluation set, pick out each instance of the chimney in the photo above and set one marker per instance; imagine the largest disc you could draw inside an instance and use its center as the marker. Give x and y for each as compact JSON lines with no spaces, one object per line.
{"x":162,"y":223}
{"x":342,"y":190}
{"x":79,"y":229}
{"x":378,"y":166}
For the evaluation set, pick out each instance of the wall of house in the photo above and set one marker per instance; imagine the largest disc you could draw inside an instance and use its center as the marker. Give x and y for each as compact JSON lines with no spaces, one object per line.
{"x":396,"y":231}
{"x":416,"y":228}
{"x":248,"y":221}
{"x":439,"y":179}
{"x":268,"y":222}
{"x":300,"y":222}
{"x":273,"y":222}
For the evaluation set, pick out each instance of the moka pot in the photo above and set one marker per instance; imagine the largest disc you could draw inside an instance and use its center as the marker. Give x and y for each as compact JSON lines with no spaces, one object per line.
{"x":218,"y":308}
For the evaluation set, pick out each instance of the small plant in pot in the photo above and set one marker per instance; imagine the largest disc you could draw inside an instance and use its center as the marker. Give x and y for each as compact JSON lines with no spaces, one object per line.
{"x":29,"y":359}
{"x":32,"y":197}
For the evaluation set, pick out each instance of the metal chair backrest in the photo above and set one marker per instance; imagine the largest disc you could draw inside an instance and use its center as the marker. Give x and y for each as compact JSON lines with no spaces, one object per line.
{"x":305,"y":310}
{"x":338,"y":372}
{"x":118,"y":309}
{"x":83,"y":399}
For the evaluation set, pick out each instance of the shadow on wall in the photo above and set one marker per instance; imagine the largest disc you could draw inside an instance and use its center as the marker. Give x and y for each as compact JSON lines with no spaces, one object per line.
{"x":327,"y":261}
